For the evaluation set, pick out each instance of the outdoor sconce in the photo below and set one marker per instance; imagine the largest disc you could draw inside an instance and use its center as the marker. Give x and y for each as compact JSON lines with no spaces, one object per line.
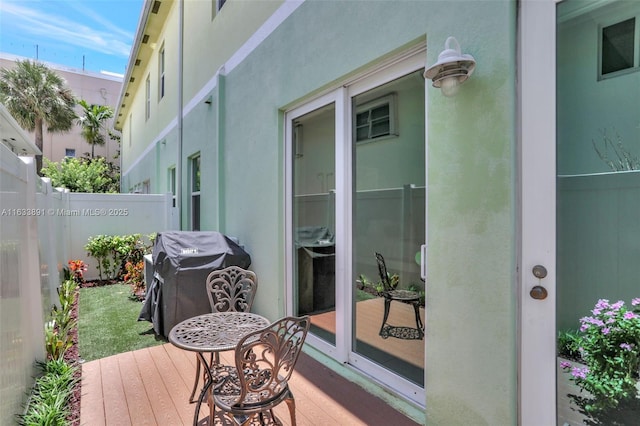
{"x":452,"y":68}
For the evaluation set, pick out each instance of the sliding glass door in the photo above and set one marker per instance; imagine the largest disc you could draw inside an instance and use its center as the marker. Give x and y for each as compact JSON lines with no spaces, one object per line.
{"x":356,"y":180}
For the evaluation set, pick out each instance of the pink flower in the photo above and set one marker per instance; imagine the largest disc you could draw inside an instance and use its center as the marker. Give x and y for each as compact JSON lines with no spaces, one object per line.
{"x":629,"y":315}
{"x":602,"y":304}
{"x":636,"y":301}
{"x":580,"y":372}
{"x":626,"y":346}
{"x":606,"y":330}
{"x":616,"y":306}
{"x":565,"y":364}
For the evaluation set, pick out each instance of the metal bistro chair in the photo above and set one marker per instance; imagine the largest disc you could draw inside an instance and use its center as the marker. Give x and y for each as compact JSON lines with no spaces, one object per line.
{"x":390,"y":294}
{"x":229,"y":290}
{"x":264,"y":363}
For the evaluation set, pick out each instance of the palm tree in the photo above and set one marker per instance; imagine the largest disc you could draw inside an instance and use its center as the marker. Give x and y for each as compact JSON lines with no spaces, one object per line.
{"x":37,"y":96}
{"x":93,"y":122}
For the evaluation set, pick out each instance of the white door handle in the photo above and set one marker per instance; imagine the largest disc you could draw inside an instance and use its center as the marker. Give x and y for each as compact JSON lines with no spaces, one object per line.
{"x":423,"y":262}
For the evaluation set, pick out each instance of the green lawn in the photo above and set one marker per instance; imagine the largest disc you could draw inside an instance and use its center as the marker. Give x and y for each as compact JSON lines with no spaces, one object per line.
{"x":108,"y":323}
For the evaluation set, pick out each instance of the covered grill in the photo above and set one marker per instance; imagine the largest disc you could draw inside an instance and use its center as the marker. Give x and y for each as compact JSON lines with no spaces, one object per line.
{"x":181,"y":262}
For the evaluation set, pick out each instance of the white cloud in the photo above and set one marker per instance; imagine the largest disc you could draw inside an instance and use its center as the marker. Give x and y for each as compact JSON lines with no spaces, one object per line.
{"x":106,"y":37}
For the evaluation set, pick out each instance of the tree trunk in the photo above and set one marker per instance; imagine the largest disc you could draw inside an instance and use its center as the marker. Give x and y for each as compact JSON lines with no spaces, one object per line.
{"x":38,"y":131}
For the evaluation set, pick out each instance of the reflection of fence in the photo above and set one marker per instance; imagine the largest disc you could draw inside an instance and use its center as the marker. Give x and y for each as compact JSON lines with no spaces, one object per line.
{"x":391,"y":221}
{"x":40,"y":230}
{"x":598,"y":247}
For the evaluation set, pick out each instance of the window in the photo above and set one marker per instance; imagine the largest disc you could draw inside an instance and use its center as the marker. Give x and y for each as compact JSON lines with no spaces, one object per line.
{"x":216,"y":5}
{"x":195,"y":193}
{"x":618,"y":48}
{"x":161,"y":73}
{"x":376,"y":119}
{"x":172,"y":183}
{"x":147,"y":108}
{"x":69,"y":152}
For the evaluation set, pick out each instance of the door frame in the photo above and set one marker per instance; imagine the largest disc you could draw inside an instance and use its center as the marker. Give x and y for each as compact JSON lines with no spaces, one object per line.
{"x":536,"y":167}
{"x":395,"y":66}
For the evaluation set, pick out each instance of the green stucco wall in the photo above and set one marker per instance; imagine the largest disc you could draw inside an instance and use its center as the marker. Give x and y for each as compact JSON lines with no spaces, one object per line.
{"x":471,"y":288}
{"x":589,"y":108}
{"x":471,"y":314}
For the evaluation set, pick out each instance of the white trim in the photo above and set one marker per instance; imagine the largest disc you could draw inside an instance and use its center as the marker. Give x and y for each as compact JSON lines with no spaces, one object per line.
{"x":536,"y":211}
{"x":343,"y":214}
{"x":402,"y":64}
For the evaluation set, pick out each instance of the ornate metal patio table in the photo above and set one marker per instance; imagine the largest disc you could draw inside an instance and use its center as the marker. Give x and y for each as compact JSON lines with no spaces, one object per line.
{"x":215,"y":332}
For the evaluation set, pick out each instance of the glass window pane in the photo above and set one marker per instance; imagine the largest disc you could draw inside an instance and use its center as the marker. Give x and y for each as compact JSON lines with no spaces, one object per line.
{"x":389,"y":218}
{"x":618,"y":46}
{"x":314,"y":220}
{"x":598,"y":177}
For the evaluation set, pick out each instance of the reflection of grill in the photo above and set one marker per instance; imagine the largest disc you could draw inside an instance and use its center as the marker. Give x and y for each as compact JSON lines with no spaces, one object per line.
{"x":181,"y":262}
{"x":316,"y":270}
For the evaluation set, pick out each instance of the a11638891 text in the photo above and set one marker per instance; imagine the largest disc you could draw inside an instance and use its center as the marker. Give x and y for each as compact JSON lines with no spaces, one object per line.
{"x":65,"y":212}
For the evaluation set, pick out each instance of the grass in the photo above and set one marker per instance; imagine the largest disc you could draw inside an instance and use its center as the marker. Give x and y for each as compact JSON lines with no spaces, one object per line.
{"x":108,"y":323}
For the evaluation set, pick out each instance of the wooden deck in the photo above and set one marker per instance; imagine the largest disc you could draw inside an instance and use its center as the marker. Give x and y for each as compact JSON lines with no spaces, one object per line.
{"x":152,"y":386}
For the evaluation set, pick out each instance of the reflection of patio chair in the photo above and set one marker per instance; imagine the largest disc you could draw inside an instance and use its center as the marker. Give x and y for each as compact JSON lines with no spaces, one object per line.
{"x":390,"y":294}
{"x":229,"y":290}
{"x":264,"y":362}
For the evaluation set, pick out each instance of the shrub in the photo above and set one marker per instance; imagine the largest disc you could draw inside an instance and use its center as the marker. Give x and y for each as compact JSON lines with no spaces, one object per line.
{"x":77,"y":269}
{"x":135,"y":277}
{"x":113,"y":252}
{"x":51,"y":394}
{"x":610,"y":348}
{"x":57,"y":331}
{"x":83,"y":175}
{"x":569,"y":344}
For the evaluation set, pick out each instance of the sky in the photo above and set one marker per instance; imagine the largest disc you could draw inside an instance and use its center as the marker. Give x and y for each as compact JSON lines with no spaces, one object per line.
{"x":96,"y":33}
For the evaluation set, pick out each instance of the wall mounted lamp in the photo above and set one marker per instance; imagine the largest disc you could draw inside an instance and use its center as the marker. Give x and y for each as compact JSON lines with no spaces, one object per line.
{"x":452,"y":68}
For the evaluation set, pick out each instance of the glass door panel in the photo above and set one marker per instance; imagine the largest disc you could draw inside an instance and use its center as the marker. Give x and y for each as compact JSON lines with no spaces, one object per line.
{"x":388,"y":201}
{"x":313,"y":140}
{"x":598,"y":163}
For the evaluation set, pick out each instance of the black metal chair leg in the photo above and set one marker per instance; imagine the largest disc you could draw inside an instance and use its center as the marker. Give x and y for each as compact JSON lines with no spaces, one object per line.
{"x":416,"y":307}
{"x":387,"y":302}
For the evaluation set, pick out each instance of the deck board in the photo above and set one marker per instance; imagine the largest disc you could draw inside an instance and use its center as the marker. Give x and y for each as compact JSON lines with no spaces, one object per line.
{"x":157,"y":382}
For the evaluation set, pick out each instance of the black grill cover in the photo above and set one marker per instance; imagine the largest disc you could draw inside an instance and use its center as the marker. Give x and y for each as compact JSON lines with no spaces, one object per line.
{"x":181,"y":262}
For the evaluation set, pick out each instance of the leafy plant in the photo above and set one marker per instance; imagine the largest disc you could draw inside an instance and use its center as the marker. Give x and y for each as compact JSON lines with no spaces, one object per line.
{"x":57,"y":331}
{"x":135,"y":276}
{"x":610,"y":342}
{"x":370,"y":286}
{"x":93,"y":175}
{"x":57,"y":340}
{"x":621,"y":159}
{"x":52,"y":392}
{"x":419,"y":289}
{"x":570,"y":344}
{"x":113,"y":252}
{"x":77,"y":268}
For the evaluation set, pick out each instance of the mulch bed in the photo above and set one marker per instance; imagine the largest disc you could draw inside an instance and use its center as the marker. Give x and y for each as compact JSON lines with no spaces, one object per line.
{"x":72,"y":357}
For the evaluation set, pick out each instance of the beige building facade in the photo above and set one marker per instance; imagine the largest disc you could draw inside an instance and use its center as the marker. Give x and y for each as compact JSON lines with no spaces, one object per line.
{"x":95,"y":88}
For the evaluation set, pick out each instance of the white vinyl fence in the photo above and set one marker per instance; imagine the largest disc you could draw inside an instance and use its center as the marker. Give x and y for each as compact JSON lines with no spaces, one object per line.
{"x":41,"y":228}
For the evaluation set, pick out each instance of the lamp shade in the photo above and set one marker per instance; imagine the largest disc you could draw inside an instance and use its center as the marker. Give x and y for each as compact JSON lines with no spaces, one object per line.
{"x":452,"y":68}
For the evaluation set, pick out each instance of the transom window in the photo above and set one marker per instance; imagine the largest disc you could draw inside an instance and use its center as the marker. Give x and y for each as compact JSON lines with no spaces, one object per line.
{"x":618,"y":48}
{"x":376,"y":119}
